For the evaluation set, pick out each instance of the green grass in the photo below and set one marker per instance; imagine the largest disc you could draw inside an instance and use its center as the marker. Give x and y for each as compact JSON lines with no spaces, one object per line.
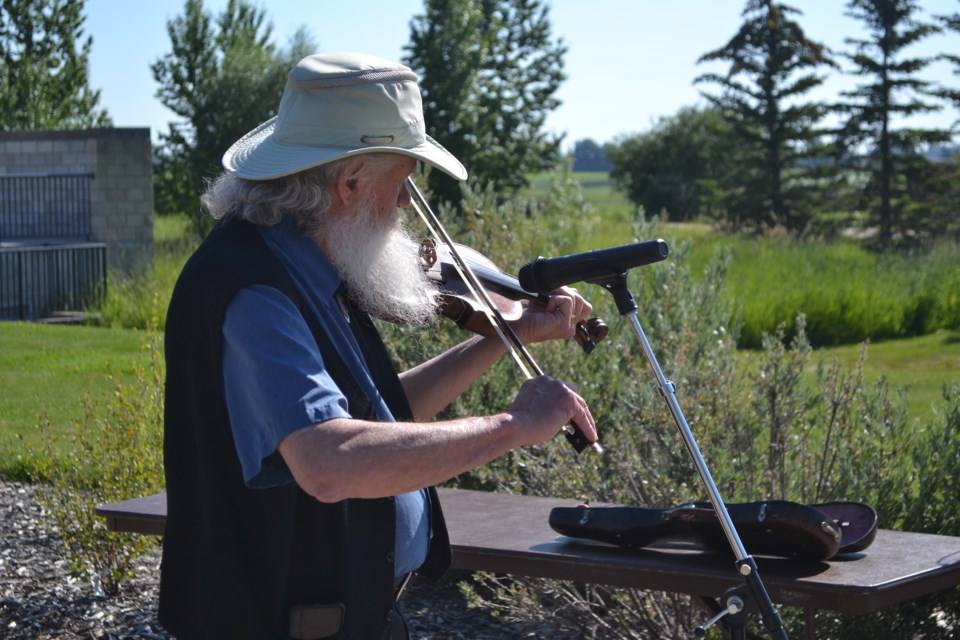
{"x":50,"y":368}
{"x":924,"y":365}
{"x":848,"y":293}
{"x":612,"y":208}
{"x":53,"y":367}
{"x":839,"y":281}
{"x":141,"y":301}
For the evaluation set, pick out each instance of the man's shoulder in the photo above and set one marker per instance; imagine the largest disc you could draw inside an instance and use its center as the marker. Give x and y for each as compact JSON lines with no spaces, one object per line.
{"x":232,"y":257}
{"x":234,"y":253}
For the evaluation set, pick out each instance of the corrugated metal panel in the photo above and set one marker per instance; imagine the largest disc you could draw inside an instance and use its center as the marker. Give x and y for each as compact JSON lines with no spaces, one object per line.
{"x":36,"y":281}
{"x":45,"y":206}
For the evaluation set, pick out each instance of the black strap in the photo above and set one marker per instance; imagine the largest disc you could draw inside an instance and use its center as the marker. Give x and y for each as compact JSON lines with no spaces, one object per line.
{"x":387,"y":382}
{"x":378,"y":361}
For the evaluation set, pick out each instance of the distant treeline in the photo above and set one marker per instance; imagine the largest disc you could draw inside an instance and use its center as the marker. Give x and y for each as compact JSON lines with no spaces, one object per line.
{"x":760,"y":155}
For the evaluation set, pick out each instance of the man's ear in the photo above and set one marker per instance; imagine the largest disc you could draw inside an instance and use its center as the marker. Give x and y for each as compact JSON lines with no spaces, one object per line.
{"x":349,"y":181}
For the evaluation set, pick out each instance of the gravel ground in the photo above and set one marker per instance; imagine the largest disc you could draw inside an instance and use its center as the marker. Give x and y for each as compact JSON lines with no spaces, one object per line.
{"x":39,"y":600}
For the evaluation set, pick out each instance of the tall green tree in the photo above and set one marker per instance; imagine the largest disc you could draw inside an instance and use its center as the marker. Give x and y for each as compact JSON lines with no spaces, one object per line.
{"x":891,"y":87}
{"x":939,"y":190}
{"x":221,"y":79}
{"x":44,"y":63}
{"x":677,"y":165}
{"x":488,"y":71}
{"x":590,"y":156}
{"x":772,"y":64}
{"x":952,"y":23}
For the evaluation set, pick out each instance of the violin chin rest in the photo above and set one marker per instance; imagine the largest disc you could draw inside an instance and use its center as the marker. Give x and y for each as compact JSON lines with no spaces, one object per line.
{"x":771,"y":528}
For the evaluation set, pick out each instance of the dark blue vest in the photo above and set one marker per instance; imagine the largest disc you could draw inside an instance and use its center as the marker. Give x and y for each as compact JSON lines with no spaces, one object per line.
{"x":236,"y":560}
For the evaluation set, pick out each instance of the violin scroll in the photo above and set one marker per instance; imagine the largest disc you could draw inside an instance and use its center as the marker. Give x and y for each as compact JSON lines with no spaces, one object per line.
{"x":591,"y":332}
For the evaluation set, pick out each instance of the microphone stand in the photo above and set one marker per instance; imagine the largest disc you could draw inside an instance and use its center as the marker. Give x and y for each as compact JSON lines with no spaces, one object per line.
{"x":735,"y":604}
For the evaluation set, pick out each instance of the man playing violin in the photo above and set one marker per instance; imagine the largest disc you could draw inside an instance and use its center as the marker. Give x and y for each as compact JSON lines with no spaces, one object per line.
{"x":299,"y":464}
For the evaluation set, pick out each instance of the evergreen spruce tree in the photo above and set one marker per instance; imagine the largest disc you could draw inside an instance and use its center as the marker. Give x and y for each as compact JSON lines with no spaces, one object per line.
{"x":952,"y":23}
{"x":890,"y":88}
{"x":772,"y":65}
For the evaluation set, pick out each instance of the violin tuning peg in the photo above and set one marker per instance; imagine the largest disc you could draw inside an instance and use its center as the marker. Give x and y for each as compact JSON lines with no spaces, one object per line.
{"x":597,"y":329}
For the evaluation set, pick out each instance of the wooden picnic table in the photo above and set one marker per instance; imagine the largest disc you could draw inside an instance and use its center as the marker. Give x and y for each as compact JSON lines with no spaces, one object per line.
{"x":510,"y":534}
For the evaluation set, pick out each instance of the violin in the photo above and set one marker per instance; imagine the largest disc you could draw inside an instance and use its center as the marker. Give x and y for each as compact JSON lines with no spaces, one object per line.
{"x":515,"y":347}
{"x":458,"y":303}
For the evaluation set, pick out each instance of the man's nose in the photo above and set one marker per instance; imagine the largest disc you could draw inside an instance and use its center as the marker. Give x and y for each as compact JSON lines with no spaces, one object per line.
{"x":403,"y":198}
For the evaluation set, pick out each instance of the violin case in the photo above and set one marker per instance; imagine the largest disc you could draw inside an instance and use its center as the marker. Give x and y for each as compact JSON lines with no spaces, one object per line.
{"x":771,"y":527}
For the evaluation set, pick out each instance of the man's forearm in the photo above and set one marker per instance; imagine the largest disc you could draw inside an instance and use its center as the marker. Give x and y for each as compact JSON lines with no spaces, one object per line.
{"x":433,"y":385}
{"x":346,"y":458}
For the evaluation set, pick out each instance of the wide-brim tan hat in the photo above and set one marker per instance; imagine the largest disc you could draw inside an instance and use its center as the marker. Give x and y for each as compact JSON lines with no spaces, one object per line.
{"x":337,"y":105}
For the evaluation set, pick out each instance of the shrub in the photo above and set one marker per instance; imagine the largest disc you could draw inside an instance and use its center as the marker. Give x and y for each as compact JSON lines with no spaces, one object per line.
{"x":129,"y":301}
{"x":764,"y":432}
{"x":114,"y":453}
{"x":847,"y":293}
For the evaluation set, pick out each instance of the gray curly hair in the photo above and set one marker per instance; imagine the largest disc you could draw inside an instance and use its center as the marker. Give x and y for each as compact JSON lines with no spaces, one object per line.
{"x":304,"y":196}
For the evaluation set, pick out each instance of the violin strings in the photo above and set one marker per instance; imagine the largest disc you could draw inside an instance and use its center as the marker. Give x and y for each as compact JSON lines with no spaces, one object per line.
{"x":462,"y":270}
{"x":515,"y":347}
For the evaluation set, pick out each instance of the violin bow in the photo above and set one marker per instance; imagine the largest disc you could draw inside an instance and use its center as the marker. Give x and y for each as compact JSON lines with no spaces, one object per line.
{"x":515,"y":346}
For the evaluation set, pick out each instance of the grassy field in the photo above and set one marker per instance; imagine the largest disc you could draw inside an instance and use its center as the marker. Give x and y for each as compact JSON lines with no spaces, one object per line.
{"x":612,"y":208}
{"x":51,"y":368}
{"x":923,"y":365}
{"x":848,"y":293}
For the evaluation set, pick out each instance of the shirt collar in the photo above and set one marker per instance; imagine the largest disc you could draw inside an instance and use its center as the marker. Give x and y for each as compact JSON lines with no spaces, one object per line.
{"x":302,"y":256}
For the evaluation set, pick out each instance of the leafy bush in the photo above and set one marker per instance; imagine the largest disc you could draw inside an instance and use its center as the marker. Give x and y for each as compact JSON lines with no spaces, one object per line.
{"x":847,"y":293}
{"x":129,"y":301}
{"x":114,"y":453}
{"x":764,"y":432}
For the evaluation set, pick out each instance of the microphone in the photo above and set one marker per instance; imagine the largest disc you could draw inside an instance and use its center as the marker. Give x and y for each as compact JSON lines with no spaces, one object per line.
{"x":543,"y":275}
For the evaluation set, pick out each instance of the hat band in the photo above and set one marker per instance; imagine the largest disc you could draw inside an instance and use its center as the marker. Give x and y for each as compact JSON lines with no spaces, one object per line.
{"x":380,"y":76}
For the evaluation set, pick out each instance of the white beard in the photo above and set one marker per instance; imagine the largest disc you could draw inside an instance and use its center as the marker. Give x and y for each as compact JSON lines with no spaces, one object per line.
{"x":380,"y":263}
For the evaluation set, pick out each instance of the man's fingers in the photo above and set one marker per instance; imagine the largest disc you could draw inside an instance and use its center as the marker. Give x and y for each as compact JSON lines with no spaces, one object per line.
{"x":547,"y":405}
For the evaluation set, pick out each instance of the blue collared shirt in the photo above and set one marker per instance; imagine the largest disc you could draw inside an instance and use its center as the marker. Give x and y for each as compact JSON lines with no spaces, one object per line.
{"x":275,"y":381}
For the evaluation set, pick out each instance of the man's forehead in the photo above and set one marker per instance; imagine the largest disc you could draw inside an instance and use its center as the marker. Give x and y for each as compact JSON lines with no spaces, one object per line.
{"x":408,"y":162}
{"x":402,"y":164}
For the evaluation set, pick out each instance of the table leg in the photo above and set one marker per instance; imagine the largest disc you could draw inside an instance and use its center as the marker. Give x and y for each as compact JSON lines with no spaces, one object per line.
{"x":810,"y":623}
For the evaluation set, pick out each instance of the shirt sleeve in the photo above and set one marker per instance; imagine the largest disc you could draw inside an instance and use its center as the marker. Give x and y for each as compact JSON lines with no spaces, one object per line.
{"x":274,"y":380}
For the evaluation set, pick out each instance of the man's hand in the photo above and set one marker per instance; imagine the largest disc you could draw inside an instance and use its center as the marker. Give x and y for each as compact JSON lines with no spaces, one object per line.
{"x":555,"y":321}
{"x":544,"y":405}
{"x":346,"y":458}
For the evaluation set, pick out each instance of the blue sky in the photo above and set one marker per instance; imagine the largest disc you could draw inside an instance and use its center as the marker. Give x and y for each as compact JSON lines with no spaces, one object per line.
{"x":629,"y":62}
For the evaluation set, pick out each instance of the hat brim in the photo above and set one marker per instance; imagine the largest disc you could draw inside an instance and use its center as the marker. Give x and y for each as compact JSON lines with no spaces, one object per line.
{"x":259,"y":156}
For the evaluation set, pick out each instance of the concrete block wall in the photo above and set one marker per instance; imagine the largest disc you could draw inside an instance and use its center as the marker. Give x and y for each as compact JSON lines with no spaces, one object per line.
{"x":122,"y":189}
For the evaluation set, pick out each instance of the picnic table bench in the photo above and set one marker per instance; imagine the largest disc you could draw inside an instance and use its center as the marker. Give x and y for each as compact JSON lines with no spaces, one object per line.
{"x":510,"y":534}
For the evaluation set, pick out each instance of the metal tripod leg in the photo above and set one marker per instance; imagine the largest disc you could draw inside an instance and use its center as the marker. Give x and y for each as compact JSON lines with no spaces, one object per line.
{"x":746,"y":565}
